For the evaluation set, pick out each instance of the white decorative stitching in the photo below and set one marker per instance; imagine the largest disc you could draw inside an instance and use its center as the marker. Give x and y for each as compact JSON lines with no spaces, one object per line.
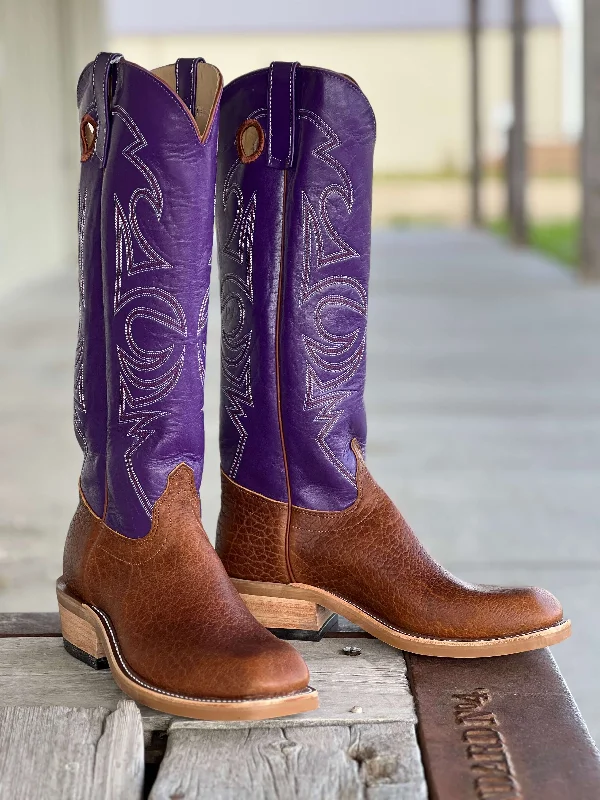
{"x":270,"y":106}
{"x":79,"y":394}
{"x":145,"y":379}
{"x":128,"y":225}
{"x":237,"y":294}
{"x":139,"y":369}
{"x":94,"y":99}
{"x":193,"y":66}
{"x":228,"y":185}
{"x":292,"y":115}
{"x":201,"y":336}
{"x":338,"y":355}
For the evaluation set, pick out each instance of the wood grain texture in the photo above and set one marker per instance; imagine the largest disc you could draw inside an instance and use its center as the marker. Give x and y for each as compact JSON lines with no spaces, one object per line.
{"x":119,"y":764}
{"x":80,"y":633}
{"x":41,"y":624}
{"x":376,"y":681}
{"x":369,"y":762}
{"x":41,"y":672}
{"x":275,"y":612}
{"x":59,"y":753}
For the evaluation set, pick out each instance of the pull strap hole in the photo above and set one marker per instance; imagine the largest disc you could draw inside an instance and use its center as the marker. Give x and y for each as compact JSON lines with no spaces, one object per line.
{"x":250,"y":141}
{"x":88,"y":133}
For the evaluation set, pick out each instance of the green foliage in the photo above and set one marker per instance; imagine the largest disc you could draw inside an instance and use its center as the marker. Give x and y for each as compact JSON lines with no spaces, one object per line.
{"x":558,"y":239}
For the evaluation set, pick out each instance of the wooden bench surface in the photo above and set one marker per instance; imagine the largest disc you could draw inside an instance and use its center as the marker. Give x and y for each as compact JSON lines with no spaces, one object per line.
{"x":390,"y":726}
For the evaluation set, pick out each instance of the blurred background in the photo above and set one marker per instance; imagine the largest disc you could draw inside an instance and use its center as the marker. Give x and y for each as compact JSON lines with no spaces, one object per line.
{"x":484,"y":368}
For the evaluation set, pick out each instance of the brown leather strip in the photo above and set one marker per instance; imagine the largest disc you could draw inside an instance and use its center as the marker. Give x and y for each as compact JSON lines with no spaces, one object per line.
{"x":501,"y":729}
{"x":278,"y":380}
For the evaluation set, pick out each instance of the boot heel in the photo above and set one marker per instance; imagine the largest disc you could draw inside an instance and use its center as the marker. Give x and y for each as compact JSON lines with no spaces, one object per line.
{"x":81,"y":640}
{"x":290,"y":619}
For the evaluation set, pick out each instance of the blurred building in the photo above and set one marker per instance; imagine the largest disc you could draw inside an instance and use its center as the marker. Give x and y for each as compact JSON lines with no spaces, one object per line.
{"x":411,"y":59}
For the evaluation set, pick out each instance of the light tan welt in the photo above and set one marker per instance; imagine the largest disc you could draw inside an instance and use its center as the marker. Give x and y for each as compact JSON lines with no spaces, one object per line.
{"x":447,"y":648}
{"x":93,"y":620}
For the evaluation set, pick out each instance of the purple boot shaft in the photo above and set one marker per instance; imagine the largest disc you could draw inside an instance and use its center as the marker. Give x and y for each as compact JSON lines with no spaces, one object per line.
{"x":145,"y":231}
{"x":293,"y":226}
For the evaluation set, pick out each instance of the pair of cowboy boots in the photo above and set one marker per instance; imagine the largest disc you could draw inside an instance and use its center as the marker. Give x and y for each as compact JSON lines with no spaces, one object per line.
{"x":302,"y":521}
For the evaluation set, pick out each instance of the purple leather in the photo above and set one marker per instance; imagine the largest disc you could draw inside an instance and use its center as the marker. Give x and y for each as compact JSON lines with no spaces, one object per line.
{"x":313,"y":182}
{"x":90,"y":410}
{"x":101,"y":72}
{"x":157,"y":200}
{"x":248,"y":202}
{"x":185,"y":80}
{"x":281,"y":107}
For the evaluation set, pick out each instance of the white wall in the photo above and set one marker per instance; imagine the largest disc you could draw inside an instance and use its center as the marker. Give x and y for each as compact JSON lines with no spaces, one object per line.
{"x":43,"y":46}
{"x":417,"y":82}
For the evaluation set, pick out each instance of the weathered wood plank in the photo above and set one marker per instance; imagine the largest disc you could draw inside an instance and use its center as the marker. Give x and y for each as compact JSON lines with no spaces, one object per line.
{"x":119,"y":765}
{"x":41,"y":624}
{"x":375,"y":681}
{"x":48,"y":624}
{"x":60,"y":753}
{"x":280,"y":763}
{"x":40,"y":672}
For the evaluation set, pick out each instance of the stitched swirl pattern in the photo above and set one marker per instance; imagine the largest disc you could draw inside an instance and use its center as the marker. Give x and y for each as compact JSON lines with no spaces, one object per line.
{"x":336,"y":350}
{"x":237,"y":297}
{"x":147,"y":375}
{"x":80,"y":410}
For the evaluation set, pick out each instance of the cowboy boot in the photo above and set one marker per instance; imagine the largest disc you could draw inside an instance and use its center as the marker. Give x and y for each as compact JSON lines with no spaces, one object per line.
{"x":143,"y":591}
{"x":302,"y":521}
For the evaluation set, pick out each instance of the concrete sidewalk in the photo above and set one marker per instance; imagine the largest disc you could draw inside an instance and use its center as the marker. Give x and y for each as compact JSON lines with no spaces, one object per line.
{"x":484,"y":414}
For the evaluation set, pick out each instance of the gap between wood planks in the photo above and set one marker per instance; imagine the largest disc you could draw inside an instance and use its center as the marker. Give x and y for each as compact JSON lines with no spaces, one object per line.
{"x":368,"y":752}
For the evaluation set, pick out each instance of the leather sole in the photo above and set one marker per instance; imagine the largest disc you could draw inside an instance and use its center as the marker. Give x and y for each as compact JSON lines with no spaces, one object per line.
{"x":279,"y":617}
{"x":89,"y":636}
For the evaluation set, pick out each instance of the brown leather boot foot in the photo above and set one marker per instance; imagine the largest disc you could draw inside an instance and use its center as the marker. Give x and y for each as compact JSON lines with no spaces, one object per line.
{"x":162,"y":613}
{"x":366,"y":563}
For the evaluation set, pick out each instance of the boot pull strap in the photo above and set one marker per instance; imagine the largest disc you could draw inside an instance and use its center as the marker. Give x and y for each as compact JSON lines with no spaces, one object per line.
{"x":185,"y":81}
{"x":101,"y":82}
{"x":282,"y":114}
